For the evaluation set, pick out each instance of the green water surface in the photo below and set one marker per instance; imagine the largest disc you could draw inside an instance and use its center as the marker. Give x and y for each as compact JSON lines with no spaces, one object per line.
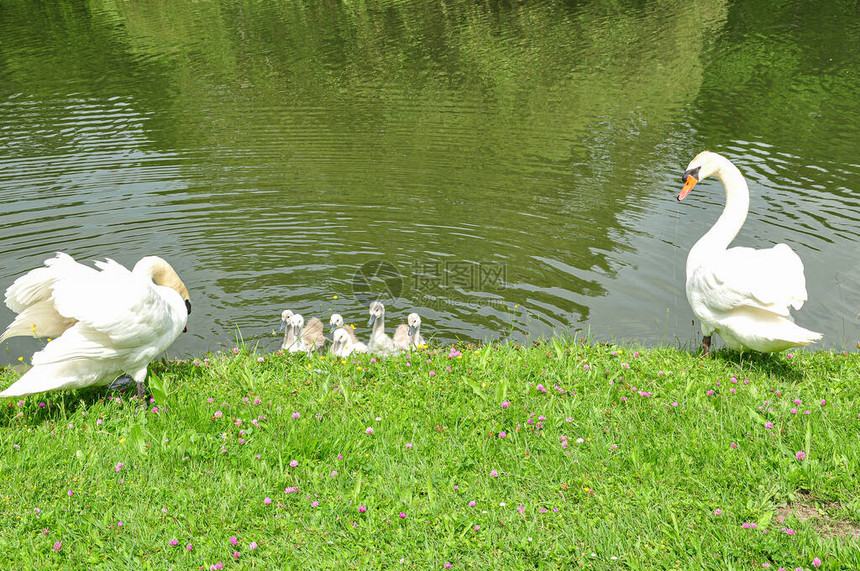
{"x":502,"y":168}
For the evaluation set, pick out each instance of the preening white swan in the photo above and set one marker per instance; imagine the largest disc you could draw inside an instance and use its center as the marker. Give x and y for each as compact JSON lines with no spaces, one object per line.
{"x":408,"y":335}
{"x":336,"y":323}
{"x":380,"y":343}
{"x":103,"y":323}
{"x":743,"y":294}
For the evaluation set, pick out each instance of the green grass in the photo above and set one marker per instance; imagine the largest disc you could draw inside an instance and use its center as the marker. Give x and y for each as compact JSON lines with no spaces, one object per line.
{"x":639,"y":491}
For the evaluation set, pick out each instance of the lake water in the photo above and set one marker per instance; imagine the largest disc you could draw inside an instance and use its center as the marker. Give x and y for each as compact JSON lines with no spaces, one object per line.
{"x":505,"y":169}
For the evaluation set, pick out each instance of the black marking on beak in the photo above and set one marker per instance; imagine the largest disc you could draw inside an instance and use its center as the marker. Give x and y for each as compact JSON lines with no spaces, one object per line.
{"x":188,"y":306}
{"x":691,"y":172}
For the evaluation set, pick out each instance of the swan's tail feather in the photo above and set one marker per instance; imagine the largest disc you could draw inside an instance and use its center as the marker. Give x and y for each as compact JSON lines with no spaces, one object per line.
{"x":787,"y":331}
{"x":44,"y":378}
{"x":788,"y":335}
{"x":31,"y":384}
{"x":754,"y":328}
{"x":804,"y":336}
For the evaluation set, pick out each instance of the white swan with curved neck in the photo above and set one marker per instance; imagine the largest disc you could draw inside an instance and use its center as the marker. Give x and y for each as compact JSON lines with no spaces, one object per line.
{"x":743,"y":294}
{"x":104,"y":323}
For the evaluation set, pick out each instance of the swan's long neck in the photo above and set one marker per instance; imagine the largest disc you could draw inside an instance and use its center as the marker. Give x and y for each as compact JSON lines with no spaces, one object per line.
{"x":721,"y":234}
{"x":289,"y":336}
{"x":160,"y":272}
{"x":416,"y":334}
{"x":379,"y":326}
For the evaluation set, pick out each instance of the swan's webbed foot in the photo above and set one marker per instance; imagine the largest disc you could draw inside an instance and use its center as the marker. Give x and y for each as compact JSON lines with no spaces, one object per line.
{"x":706,"y":344}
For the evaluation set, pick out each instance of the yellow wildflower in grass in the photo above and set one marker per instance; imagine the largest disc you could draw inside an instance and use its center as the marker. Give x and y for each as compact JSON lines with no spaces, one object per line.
{"x":122,"y":440}
{"x":334,"y":297}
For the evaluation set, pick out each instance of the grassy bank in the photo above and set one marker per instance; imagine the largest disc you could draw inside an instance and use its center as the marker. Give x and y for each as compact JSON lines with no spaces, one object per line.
{"x":550,"y":456}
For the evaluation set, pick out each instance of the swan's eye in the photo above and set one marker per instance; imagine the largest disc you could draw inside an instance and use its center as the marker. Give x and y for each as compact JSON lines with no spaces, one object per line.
{"x":188,"y":306}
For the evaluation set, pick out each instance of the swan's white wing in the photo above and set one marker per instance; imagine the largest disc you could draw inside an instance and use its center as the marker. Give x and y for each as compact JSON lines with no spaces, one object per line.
{"x":79,"y":358}
{"x":114,"y":303}
{"x":770,"y":279}
{"x":35,"y":285}
{"x":313,"y":334}
{"x":80,"y":343}
{"x":30,"y":296}
{"x":401,"y":336}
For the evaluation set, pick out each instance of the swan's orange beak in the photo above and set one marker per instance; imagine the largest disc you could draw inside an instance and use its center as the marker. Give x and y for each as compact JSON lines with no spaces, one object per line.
{"x":689,"y":183}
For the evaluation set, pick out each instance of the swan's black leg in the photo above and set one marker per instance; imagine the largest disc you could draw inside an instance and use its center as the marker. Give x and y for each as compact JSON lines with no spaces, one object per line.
{"x":706,"y":343}
{"x":140,"y":392}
